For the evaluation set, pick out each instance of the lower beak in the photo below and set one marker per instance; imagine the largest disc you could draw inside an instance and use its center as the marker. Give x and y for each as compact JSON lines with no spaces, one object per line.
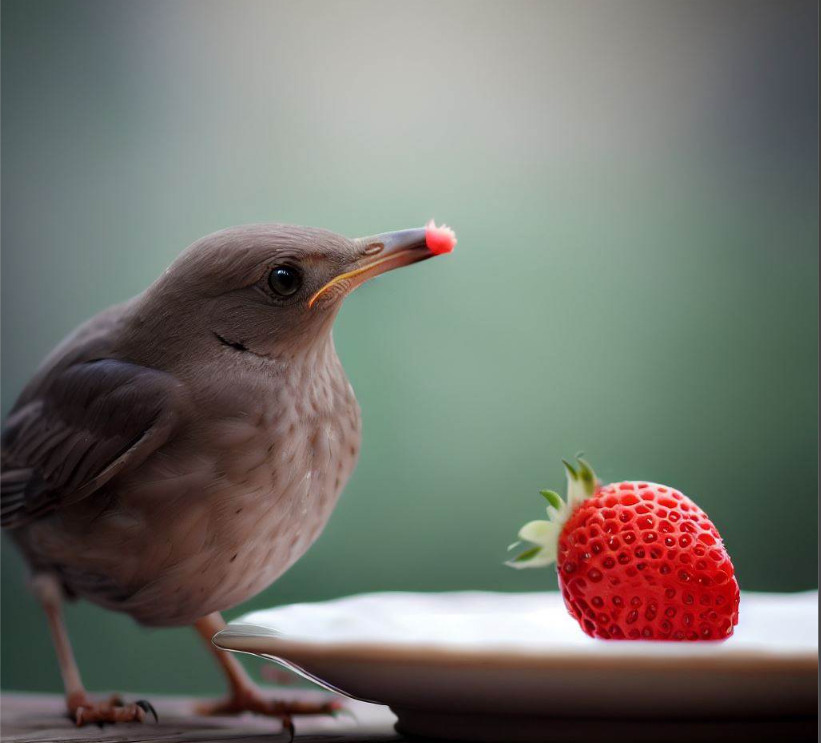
{"x":381,"y":253}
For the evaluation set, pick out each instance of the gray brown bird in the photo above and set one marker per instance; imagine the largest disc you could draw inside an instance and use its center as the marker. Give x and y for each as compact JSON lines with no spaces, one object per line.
{"x":177,"y":453}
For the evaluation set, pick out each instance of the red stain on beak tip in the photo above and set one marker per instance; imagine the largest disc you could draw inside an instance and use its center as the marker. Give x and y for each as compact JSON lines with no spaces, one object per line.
{"x":439,"y":239}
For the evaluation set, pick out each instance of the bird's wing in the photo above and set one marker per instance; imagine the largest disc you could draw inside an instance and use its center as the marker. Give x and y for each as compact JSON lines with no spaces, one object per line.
{"x":90,"y":422}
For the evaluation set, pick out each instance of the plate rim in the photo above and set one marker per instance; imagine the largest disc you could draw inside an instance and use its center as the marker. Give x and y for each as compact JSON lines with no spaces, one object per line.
{"x":495,"y":659}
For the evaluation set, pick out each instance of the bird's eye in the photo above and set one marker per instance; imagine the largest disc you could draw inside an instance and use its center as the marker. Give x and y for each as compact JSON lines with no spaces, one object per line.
{"x":284,"y":280}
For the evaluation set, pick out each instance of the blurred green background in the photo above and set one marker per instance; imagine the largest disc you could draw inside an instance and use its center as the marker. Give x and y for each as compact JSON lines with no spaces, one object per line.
{"x":635,"y":190}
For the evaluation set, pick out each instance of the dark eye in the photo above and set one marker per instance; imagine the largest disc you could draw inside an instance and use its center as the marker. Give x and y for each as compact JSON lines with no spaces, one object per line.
{"x":284,"y":280}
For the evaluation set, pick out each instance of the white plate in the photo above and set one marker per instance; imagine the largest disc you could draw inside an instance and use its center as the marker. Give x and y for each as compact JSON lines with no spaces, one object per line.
{"x":516,"y":667}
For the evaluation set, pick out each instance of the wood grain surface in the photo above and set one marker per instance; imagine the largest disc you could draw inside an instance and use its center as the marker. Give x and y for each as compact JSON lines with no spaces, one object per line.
{"x":34,"y":718}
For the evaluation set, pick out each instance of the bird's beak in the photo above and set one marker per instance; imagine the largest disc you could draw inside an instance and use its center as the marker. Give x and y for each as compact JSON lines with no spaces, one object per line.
{"x":381,"y":253}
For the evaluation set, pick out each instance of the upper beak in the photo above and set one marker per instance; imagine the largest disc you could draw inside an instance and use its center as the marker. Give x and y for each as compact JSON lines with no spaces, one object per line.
{"x":381,"y":253}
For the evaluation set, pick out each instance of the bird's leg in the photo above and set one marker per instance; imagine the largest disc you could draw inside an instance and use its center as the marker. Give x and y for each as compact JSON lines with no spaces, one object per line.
{"x":81,"y":708}
{"x":245,"y":694}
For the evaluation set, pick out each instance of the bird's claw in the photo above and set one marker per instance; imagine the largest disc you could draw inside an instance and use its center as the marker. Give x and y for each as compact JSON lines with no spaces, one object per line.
{"x":288,"y":724}
{"x":283,"y":710}
{"x":146,"y":706}
{"x":115,"y":710}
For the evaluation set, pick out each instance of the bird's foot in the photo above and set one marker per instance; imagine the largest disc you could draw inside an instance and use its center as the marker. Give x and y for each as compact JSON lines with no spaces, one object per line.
{"x":84,"y":710}
{"x":252,"y":700}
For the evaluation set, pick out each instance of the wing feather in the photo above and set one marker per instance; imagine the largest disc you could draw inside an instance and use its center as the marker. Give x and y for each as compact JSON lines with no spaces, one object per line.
{"x":91,"y":422}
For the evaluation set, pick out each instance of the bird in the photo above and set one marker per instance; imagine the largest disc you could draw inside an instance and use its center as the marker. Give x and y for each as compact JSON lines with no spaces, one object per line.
{"x":177,"y":453}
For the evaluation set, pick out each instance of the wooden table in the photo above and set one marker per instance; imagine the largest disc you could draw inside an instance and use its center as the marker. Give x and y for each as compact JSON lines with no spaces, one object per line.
{"x":30,"y":718}
{"x":34,"y":718}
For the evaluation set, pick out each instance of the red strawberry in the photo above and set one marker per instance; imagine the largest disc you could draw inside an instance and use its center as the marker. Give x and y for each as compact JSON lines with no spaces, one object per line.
{"x":439,"y":239}
{"x":635,"y":560}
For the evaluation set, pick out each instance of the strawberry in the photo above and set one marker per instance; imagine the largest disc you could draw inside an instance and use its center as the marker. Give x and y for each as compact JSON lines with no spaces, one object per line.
{"x":635,"y":560}
{"x":440,"y":239}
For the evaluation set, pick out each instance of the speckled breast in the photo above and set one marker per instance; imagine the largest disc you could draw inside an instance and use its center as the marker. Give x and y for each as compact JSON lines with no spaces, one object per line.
{"x":242,"y":509}
{"x":287,"y":503}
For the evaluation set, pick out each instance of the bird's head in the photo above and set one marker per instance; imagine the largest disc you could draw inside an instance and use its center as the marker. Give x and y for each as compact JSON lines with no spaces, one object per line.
{"x":273,"y":290}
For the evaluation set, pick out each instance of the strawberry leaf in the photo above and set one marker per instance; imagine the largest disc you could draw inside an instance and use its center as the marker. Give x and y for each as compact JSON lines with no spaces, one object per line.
{"x":553,"y":498}
{"x":527,"y":555}
{"x":571,"y":470}
{"x":587,"y":476}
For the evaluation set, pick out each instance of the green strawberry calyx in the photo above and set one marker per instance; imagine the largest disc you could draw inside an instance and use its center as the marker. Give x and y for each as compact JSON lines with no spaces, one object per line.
{"x":543,"y":535}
